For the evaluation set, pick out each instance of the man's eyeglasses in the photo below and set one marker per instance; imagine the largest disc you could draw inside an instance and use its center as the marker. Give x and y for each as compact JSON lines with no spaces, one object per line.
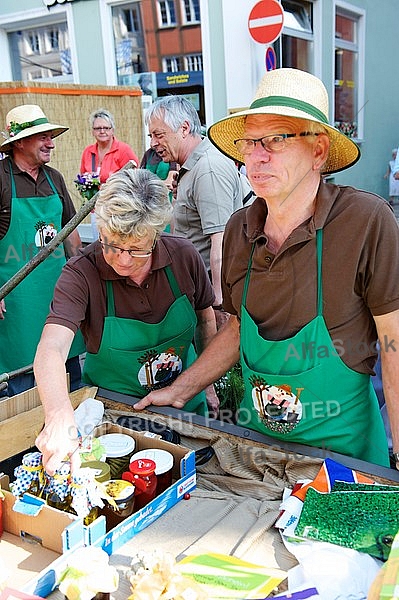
{"x":271,"y":143}
{"x":101,"y":128}
{"x":132,"y":253}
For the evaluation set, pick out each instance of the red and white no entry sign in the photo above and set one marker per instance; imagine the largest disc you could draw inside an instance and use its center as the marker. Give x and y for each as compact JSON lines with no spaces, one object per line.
{"x":266,"y":21}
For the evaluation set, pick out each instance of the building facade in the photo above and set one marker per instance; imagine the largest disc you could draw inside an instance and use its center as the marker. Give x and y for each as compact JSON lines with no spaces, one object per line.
{"x":203,"y":49}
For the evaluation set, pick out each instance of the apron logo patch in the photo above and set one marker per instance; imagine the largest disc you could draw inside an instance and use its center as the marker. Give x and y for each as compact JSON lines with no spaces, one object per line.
{"x":159,"y":369}
{"x":45,"y":232}
{"x":279,"y":409}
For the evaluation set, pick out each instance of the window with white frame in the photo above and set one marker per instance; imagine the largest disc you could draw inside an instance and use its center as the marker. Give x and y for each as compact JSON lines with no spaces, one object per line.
{"x":52,"y":39}
{"x":166,"y":13}
{"x":32,"y":43}
{"x":37,"y":74}
{"x":193,"y":62}
{"x":188,"y":62}
{"x":297,"y":40}
{"x":41,"y":52}
{"x":131,"y":18}
{"x":191,"y":12}
{"x":349,"y":25}
{"x":172,"y":64}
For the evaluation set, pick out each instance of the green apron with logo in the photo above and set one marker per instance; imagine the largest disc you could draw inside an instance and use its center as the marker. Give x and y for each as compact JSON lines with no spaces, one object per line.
{"x":135,"y":357}
{"x":299,"y":390}
{"x":34,"y":223}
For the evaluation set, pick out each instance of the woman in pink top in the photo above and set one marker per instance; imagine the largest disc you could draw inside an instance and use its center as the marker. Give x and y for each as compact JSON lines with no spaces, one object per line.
{"x":108,"y":154}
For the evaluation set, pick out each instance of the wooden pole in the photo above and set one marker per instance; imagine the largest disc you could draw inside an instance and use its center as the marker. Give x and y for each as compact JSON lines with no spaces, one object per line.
{"x":84,"y":210}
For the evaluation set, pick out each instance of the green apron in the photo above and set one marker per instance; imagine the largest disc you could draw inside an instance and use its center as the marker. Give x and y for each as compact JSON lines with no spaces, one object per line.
{"x":34,"y":222}
{"x":299,"y":390}
{"x":135,"y":357}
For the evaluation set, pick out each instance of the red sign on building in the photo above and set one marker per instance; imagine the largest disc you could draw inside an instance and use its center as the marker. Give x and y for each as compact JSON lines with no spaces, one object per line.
{"x":266,"y":21}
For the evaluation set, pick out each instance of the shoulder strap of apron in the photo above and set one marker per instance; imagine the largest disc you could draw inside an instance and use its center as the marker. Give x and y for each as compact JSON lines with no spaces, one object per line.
{"x":110,"y":291}
{"x":110,"y":299}
{"x":247,"y":276}
{"x":319,"y":251}
{"x":50,"y":182}
{"x":13,"y":189}
{"x":174,"y":286}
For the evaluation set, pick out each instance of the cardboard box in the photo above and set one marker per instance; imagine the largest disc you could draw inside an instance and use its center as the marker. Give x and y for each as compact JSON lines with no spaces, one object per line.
{"x":184,"y":476}
{"x":34,"y":549}
{"x":37,"y":547}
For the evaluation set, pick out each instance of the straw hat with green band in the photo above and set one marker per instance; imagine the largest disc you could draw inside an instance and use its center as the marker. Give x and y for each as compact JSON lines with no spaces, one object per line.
{"x":289,"y":93}
{"x":26,"y":120}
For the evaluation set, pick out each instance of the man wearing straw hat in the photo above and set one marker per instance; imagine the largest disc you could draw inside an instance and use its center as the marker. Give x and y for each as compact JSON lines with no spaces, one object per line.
{"x":310,"y":277}
{"x":34,"y":206}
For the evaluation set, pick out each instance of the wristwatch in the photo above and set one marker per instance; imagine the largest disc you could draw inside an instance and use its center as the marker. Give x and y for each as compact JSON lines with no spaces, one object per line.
{"x":396,"y":456}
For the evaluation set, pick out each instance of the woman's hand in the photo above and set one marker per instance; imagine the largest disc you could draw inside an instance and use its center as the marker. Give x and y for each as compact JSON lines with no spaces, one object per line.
{"x":59,"y":442}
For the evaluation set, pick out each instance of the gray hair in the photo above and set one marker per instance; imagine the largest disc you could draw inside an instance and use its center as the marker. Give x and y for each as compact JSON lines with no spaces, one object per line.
{"x":102,"y":113}
{"x":133,"y":202}
{"x":174,"y":111}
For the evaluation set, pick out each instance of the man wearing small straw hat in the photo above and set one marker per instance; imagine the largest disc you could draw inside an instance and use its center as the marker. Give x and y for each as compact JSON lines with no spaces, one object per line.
{"x":310,"y":278}
{"x":34,"y":206}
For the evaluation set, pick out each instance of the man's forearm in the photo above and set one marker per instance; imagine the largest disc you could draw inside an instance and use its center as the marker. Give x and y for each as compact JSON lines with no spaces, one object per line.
{"x":390,"y":380}
{"x":216,"y":265}
{"x":205,"y":330}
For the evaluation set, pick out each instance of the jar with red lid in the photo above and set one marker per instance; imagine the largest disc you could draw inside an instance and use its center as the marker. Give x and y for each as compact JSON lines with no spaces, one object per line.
{"x":163,"y":466}
{"x":142,"y":475}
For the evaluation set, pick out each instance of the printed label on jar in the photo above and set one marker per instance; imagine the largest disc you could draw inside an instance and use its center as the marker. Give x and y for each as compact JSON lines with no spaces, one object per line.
{"x":119,"y":489}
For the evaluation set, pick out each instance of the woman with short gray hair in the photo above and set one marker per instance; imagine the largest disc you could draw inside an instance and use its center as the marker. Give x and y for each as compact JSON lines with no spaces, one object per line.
{"x":133,"y":203}
{"x":140,"y":296}
{"x":108,"y":154}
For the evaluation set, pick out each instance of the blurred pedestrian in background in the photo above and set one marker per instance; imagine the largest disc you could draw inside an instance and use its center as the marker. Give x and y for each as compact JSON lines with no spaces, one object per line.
{"x":393,"y":183}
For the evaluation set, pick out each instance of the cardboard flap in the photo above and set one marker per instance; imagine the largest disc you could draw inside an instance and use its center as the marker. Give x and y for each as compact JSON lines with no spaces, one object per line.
{"x":29,"y":505}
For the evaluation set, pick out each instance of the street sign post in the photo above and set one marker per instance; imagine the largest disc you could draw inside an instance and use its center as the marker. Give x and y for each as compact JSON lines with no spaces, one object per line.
{"x":266,"y":21}
{"x":270,"y":59}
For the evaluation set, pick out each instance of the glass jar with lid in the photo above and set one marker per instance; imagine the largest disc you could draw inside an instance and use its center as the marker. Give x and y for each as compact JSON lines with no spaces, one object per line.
{"x":163,"y":466}
{"x":142,"y":475}
{"x":119,"y":447}
{"x":120,"y":502}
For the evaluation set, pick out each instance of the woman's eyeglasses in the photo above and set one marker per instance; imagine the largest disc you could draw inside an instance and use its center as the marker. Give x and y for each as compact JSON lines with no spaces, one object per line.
{"x":132,"y":253}
{"x":101,"y":128}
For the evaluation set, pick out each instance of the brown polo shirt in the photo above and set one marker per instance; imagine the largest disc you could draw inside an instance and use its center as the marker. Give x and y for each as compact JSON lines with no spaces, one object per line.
{"x":360,"y":271}
{"x":80,"y":293}
{"x":27,"y":187}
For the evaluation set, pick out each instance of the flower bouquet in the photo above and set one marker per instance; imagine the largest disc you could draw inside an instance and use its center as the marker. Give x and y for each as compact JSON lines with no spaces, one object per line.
{"x":88,"y":184}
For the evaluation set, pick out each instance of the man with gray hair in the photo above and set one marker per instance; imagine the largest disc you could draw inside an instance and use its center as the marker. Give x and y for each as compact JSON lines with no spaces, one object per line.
{"x":209,"y":187}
